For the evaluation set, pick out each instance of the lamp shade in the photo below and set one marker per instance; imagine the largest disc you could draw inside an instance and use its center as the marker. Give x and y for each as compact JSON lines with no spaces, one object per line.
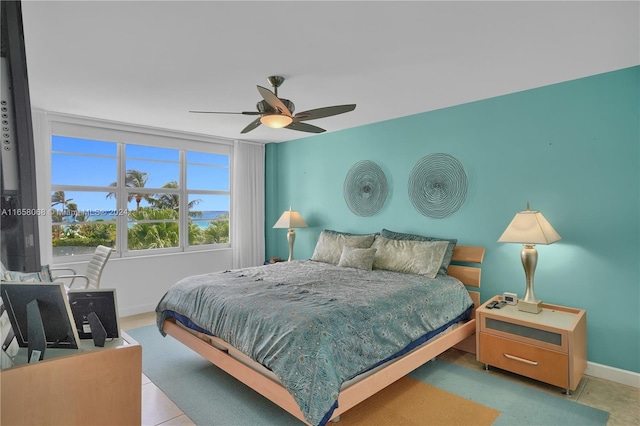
{"x":290,"y":219}
{"x":276,"y":121}
{"x":529,"y":227}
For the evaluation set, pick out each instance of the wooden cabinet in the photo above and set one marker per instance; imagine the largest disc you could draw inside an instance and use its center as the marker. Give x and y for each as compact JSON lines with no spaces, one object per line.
{"x":550,"y":346}
{"x":91,"y":386}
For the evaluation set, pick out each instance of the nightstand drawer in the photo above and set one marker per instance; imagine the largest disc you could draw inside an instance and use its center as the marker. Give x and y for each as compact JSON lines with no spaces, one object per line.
{"x":528,"y":360}
{"x":516,"y":329}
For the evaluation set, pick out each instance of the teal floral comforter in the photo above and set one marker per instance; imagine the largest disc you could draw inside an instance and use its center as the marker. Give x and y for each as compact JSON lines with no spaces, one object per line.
{"x":316,"y":325}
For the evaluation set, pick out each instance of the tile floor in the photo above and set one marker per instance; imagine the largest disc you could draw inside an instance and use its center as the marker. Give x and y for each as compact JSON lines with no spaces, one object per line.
{"x":157,"y":408}
{"x":621,"y":401}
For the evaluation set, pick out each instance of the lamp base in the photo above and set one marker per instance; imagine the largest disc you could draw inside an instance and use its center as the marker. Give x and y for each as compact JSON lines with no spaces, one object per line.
{"x":291,"y":237}
{"x":531,"y":307}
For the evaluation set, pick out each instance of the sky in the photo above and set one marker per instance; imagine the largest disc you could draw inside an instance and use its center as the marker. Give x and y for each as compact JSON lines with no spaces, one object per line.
{"x":94,"y":163}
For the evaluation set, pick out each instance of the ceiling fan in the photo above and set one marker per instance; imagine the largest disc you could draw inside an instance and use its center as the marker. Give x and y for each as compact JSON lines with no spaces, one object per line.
{"x":277,"y":112}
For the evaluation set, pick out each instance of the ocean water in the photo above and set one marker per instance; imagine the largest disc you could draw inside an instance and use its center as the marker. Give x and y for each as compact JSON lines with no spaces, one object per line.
{"x":108,"y":215}
{"x":207,"y":216}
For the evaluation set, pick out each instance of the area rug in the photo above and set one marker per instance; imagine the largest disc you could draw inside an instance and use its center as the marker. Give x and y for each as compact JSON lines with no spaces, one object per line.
{"x":438,"y":393}
{"x":412,"y":402}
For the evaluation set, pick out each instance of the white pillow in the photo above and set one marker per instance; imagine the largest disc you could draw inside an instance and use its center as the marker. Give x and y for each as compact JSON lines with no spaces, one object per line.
{"x":410,"y":257}
{"x":330,"y":244}
{"x":359,"y":258}
{"x":9,"y":346}
{"x":28,"y":277}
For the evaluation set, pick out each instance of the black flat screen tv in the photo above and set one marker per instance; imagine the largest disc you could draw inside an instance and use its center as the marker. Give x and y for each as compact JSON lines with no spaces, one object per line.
{"x":57,"y":321}
{"x":19,"y":242}
{"x":102,"y":302}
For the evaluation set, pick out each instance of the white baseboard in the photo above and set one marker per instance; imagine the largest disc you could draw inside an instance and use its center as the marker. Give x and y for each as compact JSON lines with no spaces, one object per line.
{"x":135,"y":310}
{"x":613,"y":374}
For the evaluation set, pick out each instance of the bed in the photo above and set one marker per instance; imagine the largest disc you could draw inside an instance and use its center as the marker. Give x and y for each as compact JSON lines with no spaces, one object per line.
{"x":318,"y":336}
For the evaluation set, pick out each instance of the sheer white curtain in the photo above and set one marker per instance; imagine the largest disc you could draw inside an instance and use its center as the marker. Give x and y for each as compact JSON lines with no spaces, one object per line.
{"x":42,"y":149}
{"x":247,"y":224}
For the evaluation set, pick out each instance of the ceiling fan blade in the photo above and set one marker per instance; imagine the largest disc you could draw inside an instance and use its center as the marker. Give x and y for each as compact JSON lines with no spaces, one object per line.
{"x":223,"y":112}
{"x":274,"y":101}
{"x":314,"y":114}
{"x":304,"y":127}
{"x":255,"y":123}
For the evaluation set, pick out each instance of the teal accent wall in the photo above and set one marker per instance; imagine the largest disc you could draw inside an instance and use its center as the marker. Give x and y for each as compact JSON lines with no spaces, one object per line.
{"x":570,"y":149}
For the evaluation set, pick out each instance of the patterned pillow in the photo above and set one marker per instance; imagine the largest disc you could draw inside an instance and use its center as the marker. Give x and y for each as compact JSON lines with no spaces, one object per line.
{"x":330,"y":244}
{"x":3,"y":271}
{"x":359,"y":258}
{"x":409,"y":257}
{"x":27,"y":277}
{"x":414,"y":237}
{"x":7,"y":339}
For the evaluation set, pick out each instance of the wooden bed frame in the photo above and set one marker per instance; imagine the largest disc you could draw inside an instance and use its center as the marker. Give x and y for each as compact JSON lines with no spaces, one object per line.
{"x":260,"y":379}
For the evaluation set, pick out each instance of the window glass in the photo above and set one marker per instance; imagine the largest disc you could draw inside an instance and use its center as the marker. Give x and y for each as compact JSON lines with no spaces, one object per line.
{"x":91,"y":205}
{"x":77,"y":227}
{"x":151,"y":167}
{"x":207,"y":171}
{"x":147,"y":174}
{"x":83,"y":146}
{"x":82,"y":170}
{"x":137,"y":201}
{"x":86,"y":209}
{"x":207,"y":158}
{"x":151,"y":228}
{"x":207,"y":177}
{"x":152,"y":153}
{"x":208,"y":219}
{"x":83,"y":162}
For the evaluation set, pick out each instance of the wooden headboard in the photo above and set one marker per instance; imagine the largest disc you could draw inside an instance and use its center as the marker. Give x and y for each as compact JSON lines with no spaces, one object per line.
{"x":470,"y":275}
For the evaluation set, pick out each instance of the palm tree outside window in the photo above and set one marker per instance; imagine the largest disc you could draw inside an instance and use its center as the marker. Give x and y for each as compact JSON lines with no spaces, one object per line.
{"x":166,"y":199}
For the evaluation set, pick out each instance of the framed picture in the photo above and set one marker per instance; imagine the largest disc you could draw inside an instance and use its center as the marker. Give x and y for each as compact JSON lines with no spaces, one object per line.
{"x":101,"y":302}
{"x":40,"y":317}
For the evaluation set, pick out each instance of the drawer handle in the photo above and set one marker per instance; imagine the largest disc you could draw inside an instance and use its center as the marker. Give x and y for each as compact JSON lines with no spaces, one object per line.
{"x":526,"y":361}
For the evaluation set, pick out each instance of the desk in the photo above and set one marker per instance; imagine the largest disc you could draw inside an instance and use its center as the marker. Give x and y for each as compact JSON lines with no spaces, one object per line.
{"x":88,"y":386}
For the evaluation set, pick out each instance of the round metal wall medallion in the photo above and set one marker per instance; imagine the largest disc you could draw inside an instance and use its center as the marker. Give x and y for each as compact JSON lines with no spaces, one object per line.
{"x":437,"y":185}
{"x":365,"y":188}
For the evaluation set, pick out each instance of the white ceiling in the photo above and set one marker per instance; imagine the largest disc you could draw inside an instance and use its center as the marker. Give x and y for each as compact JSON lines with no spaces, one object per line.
{"x":150,"y":62}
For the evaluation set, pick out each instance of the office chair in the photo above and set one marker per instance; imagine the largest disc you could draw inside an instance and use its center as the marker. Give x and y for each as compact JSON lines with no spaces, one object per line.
{"x":94,"y":270}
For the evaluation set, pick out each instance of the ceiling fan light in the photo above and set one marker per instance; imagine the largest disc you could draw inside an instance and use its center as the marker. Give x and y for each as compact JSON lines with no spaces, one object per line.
{"x":276,"y":121}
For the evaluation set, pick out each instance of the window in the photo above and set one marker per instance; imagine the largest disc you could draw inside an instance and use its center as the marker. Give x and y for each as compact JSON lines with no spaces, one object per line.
{"x":208,"y":198}
{"x":81,"y":171}
{"x":153,"y":212}
{"x":137,"y":198}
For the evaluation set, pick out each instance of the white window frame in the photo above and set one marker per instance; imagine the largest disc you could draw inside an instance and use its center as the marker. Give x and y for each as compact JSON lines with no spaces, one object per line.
{"x":122,"y":133}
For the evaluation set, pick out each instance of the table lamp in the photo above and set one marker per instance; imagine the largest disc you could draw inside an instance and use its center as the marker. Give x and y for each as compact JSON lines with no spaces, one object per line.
{"x":529,"y":227}
{"x":290,"y":219}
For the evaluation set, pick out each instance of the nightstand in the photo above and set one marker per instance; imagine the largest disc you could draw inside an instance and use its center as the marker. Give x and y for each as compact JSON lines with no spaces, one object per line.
{"x":550,"y":346}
